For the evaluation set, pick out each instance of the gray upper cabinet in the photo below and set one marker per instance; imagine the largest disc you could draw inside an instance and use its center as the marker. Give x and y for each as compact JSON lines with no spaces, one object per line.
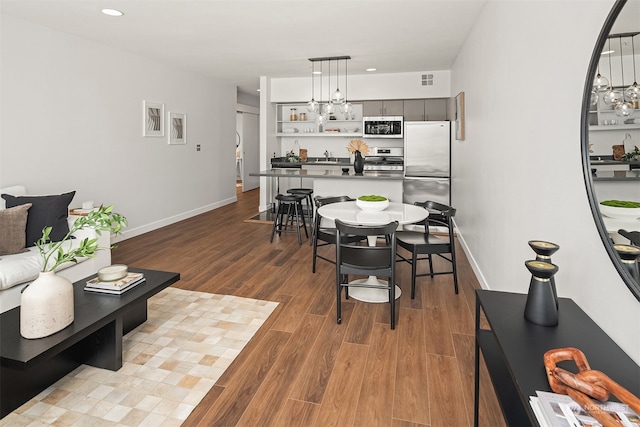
{"x":383,"y":108}
{"x":413,"y":110}
{"x":372,"y":108}
{"x":435,"y":109}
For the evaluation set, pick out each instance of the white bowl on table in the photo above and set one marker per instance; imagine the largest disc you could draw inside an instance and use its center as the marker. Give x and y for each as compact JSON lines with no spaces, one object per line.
{"x":619,"y":213}
{"x":372,"y":206}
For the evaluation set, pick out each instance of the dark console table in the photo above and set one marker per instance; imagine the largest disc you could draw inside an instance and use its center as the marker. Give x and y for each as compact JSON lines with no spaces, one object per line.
{"x":94,"y":338}
{"x":513,"y":350}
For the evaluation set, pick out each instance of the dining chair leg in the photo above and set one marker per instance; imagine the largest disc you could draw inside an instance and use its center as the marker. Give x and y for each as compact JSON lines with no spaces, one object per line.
{"x":346,"y":289}
{"x":314,"y":241}
{"x":431,"y":265}
{"x":338,"y":303}
{"x":455,"y":269}
{"x":414,"y":263}
{"x":392,"y":302}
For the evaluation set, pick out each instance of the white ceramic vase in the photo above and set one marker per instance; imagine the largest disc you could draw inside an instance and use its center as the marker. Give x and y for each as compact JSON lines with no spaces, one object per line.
{"x":46,"y":306}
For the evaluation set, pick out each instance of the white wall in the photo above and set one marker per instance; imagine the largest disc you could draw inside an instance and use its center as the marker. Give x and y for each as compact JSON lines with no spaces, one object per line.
{"x":363,"y":87}
{"x":518,"y":174}
{"x":72,"y":120}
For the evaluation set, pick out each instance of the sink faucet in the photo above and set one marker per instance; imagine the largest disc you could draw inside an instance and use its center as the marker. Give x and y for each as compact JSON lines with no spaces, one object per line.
{"x":326,"y":155}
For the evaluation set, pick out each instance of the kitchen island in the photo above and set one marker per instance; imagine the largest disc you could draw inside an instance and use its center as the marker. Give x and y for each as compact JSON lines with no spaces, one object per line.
{"x":334,"y":182}
{"x":617,"y":185}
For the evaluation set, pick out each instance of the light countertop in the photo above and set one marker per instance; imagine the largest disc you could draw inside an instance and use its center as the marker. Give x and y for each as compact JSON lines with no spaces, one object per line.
{"x":329,"y":174}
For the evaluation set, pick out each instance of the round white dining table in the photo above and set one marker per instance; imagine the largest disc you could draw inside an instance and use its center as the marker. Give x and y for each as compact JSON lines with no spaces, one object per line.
{"x":350,"y":213}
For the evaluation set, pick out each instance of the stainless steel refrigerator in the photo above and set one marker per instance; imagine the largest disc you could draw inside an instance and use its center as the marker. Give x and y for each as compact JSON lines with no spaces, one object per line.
{"x":427,"y":162}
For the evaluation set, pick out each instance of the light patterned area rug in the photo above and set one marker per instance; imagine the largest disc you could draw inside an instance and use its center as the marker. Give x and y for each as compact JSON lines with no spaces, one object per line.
{"x":169,"y":364}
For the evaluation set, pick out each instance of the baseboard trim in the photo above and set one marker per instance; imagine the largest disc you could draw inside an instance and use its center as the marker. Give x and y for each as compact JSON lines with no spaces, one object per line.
{"x":472,"y":261}
{"x":133,"y":232}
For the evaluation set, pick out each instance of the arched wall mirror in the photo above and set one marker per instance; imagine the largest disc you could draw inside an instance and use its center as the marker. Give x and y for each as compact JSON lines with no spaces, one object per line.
{"x":610,"y":134}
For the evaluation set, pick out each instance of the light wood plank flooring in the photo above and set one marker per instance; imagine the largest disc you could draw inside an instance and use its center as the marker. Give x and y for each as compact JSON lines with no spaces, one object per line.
{"x":303,"y":369}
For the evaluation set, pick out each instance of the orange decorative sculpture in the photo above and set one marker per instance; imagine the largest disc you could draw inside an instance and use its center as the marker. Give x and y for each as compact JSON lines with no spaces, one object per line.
{"x":586,"y":384}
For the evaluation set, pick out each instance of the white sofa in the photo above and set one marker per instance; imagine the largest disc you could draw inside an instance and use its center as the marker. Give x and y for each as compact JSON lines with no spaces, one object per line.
{"x":18,"y":270}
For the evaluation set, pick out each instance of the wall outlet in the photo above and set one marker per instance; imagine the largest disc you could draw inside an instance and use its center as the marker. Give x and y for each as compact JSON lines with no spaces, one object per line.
{"x":198,"y":147}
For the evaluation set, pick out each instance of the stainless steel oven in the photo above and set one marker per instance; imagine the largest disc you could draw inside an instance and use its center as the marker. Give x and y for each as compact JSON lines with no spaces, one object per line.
{"x":384,"y":159}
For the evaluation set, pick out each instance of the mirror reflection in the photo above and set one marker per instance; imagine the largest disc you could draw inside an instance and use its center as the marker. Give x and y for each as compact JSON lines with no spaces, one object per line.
{"x":613,"y":139}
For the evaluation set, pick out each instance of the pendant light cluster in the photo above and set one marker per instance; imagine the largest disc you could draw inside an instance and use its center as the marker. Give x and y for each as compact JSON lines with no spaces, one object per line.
{"x":336,"y":100}
{"x":623,"y":100}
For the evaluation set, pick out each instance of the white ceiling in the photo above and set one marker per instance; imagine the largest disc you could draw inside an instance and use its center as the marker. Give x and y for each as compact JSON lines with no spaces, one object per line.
{"x":239,"y":40}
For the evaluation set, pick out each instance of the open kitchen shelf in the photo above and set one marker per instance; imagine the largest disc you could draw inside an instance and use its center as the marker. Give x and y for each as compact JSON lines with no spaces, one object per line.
{"x":283,"y":122}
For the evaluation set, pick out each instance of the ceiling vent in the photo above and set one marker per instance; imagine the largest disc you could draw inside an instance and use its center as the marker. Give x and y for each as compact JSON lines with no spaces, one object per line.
{"x":427,"y":80}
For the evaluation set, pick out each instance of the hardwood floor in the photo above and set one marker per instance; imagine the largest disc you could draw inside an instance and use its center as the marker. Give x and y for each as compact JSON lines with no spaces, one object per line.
{"x":303,"y":369}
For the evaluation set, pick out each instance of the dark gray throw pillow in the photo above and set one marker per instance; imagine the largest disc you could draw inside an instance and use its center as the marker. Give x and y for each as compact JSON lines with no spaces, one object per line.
{"x":45,"y":211}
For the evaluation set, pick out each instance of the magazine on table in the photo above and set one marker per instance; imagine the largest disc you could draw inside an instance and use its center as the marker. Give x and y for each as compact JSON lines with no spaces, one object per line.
{"x":115,"y":287}
{"x":560,"y":410}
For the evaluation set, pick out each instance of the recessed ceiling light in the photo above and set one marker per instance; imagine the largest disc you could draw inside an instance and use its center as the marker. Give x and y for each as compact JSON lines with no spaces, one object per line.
{"x":370,"y":69}
{"x":112,"y":12}
{"x":316,"y":72}
{"x":258,"y":90}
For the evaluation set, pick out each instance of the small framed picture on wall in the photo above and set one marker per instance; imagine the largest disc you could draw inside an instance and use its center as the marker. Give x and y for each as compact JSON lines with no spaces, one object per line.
{"x":177,"y":128}
{"x":153,"y":119}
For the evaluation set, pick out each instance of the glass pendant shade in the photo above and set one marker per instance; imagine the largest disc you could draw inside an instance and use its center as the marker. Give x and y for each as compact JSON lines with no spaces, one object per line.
{"x":313,"y":106}
{"x":337,"y":97}
{"x":612,"y":96}
{"x":632,"y":93}
{"x":600,"y":82}
{"x":322,"y":119}
{"x":328,"y":108}
{"x":624,"y":109}
{"x":594,"y":96}
{"x":346,"y":108}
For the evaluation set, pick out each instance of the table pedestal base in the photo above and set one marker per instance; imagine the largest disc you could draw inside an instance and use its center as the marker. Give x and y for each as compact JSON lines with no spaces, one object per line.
{"x":372,"y":294}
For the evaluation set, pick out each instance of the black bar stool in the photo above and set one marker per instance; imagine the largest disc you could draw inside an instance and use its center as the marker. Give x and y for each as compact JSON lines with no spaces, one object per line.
{"x":291,"y":205}
{"x":308,"y":198}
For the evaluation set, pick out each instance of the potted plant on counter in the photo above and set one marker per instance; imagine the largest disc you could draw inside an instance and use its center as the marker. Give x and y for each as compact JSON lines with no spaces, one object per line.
{"x":46,"y":305}
{"x":632,"y":156}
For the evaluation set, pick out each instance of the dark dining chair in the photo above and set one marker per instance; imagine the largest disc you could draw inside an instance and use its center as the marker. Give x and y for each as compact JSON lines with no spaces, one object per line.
{"x":323,"y":234}
{"x":424,"y":244}
{"x":633,"y":236}
{"x":355,"y":258}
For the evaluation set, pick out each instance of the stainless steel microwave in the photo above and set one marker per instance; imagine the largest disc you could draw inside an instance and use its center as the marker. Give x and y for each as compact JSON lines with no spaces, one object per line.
{"x":382,"y":127}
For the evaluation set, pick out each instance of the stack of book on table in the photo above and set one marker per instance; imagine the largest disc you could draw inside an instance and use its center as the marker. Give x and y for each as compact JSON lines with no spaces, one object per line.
{"x":116,"y":287}
{"x":560,"y":410}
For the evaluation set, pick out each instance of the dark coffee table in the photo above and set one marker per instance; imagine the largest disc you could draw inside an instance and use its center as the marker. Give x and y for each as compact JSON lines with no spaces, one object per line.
{"x":94,"y":338}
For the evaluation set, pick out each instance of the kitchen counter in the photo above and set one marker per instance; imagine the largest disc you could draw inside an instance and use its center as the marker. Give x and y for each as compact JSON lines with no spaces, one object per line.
{"x":621,"y":176}
{"x":330,"y":174}
{"x":334,"y":182}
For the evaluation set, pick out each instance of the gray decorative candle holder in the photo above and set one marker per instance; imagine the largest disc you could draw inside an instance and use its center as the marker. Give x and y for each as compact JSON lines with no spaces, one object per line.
{"x":542,"y":303}
{"x":629,"y":257}
{"x":543,"y":251}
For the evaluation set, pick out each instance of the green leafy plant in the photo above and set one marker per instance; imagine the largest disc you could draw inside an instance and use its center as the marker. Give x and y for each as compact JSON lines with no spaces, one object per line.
{"x":292,"y":157}
{"x":102,"y":219}
{"x":632,"y":155}
{"x":372,"y":198}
